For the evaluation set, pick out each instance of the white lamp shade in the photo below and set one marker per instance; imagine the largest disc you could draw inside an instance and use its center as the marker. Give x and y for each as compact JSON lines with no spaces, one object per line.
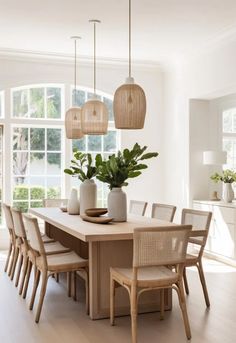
{"x":73,"y":123}
{"x":129,"y":107}
{"x":214,"y":157}
{"x":94,"y":117}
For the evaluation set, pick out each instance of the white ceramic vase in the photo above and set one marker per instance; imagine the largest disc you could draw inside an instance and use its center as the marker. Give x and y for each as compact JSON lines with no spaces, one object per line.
{"x":228,"y":193}
{"x":117,"y":205}
{"x":73,"y":202}
{"x":88,"y":195}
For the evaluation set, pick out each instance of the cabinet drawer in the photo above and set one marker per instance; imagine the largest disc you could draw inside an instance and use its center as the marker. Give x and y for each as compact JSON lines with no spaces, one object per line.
{"x":225,"y":214}
{"x":201,"y":206}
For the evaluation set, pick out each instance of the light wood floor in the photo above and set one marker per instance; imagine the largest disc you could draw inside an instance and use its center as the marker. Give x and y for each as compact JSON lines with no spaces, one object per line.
{"x":65,"y":321}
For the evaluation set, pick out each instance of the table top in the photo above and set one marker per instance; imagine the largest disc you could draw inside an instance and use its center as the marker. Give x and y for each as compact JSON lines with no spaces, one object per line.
{"x":85,"y":231}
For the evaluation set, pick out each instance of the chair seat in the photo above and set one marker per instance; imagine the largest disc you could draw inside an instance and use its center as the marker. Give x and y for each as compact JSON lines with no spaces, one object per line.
{"x":55,"y":248}
{"x":63,"y":262}
{"x":191,"y":260}
{"x":147,"y":277}
{"x":47,"y":239}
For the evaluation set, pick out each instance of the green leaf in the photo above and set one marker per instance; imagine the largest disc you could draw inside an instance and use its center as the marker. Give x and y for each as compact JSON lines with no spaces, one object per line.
{"x":149,"y":155}
{"x":134,"y":174}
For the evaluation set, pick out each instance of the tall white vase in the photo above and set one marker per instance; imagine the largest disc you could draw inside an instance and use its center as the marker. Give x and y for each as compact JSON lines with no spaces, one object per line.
{"x":88,"y":195}
{"x":117,"y":205}
{"x":228,"y":193}
{"x":73,"y":202}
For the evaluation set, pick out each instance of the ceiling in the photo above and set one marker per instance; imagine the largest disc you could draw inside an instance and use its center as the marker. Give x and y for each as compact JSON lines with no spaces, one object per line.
{"x":161,"y":29}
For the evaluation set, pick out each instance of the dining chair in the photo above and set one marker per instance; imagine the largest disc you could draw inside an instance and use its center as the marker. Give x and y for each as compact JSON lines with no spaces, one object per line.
{"x":27,"y":256}
{"x":48,"y":265}
{"x":12,"y":240}
{"x":137,"y":207}
{"x":154,"y":251}
{"x":163,"y":212}
{"x":200,"y":221}
{"x":54,"y":202}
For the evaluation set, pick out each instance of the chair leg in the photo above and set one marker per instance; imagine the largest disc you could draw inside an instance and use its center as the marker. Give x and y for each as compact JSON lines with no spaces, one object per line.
{"x":162,"y":303}
{"x":112,"y":301}
{"x":57,"y":277}
{"x":133,"y":313}
{"x":35,"y":287}
{"x":185,"y":281}
{"x":8,"y":257}
{"x":14,"y":263}
{"x":69,"y":284}
{"x":29,"y":267}
{"x":203,"y":282}
{"x":42,"y":294}
{"x":12,"y":260}
{"x":74,"y":287}
{"x":182,"y":304}
{"x":19,"y":270}
{"x":87,"y":291}
{"x":23,"y":274}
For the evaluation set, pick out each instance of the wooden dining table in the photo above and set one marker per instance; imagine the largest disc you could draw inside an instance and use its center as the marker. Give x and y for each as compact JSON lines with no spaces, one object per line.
{"x":105,"y":245}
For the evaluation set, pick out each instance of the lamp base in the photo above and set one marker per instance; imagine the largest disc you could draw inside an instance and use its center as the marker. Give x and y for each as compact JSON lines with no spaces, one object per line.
{"x":214,"y":197}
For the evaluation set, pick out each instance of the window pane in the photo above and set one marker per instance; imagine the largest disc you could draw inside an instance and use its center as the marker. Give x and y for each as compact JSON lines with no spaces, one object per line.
{"x":37,"y":163}
{"x":37,"y":103}
{"x":91,"y":96}
{"x":20,"y":163}
{"x":109,"y":104}
{"x":20,"y":103}
{"x":20,"y":190}
{"x":22,"y":206}
{"x":78,"y":98}
{"x":79,"y":144}
{"x":35,"y":204}
{"x":37,"y":192}
{"x":54,"y":139}
{"x":53,"y":163}
{"x":53,"y":187}
{"x":53,"y":102}
{"x":110,"y":141}
{"x":94,"y":143}
{"x":37,"y":139}
{"x":20,"y":138}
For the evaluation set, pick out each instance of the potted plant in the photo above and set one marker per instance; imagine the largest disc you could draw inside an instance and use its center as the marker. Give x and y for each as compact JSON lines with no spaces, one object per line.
{"x":227,"y":177}
{"x":83,"y":168}
{"x":116,"y":171}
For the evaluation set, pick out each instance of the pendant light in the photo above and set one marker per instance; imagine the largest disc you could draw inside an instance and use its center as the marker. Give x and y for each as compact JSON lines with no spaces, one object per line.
{"x":94,"y":111}
{"x":73,"y":115}
{"x":129,"y":102}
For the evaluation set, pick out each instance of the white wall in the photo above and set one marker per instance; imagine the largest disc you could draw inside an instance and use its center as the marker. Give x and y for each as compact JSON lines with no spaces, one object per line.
{"x":207,"y":76}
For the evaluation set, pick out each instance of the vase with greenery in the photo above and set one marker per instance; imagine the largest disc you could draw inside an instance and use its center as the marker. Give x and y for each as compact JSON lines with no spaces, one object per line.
{"x":116,"y":170}
{"x":227,"y":177}
{"x":82,"y":167}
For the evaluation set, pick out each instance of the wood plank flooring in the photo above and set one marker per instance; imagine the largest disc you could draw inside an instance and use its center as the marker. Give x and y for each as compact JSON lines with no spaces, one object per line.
{"x":65,"y":321}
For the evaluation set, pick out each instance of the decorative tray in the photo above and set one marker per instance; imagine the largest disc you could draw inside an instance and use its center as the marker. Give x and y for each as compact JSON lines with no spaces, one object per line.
{"x":95,"y":212}
{"x":97,"y":220}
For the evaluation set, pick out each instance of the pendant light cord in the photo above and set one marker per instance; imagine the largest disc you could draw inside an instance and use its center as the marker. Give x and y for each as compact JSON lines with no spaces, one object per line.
{"x":75,"y":75}
{"x":129,"y":38}
{"x":94,"y":58}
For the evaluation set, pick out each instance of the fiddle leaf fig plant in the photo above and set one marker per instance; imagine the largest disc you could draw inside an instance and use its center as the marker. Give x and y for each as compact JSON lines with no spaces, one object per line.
{"x":227,"y":176}
{"x":122,"y":166}
{"x":81,"y":166}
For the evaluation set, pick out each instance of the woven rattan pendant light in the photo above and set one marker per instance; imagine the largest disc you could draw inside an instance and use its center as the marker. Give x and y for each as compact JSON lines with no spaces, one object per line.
{"x":94,"y":112}
{"x":73,"y":115}
{"x":129,"y":102}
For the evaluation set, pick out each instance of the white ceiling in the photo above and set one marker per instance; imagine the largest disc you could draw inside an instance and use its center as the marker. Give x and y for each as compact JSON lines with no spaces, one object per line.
{"x":162,"y":29}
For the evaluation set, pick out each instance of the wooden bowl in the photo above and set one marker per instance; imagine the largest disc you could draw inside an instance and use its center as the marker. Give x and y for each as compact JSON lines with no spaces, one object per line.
{"x":97,"y":220}
{"x":95,"y":212}
{"x":63,"y":208}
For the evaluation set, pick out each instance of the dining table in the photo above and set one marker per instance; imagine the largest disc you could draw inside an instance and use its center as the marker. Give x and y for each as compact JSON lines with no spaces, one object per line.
{"x":105,"y":245}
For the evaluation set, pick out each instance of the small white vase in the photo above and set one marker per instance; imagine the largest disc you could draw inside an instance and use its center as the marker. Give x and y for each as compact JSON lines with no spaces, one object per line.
{"x":73,"y":202}
{"x":88,"y":195}
{"x":117,"y":205}
{"x":228,"y":193}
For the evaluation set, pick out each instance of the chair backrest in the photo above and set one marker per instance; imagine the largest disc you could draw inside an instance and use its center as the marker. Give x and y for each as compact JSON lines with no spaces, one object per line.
{"x":8,"y":217}
{"x":33,"y":234}
{"x":18,"y":223}
{"x":163,"y":212}
{"x":200,"y":220}
{"x":54,"y":202}
{"x":157,"y":246}
{"x":137,"y":207}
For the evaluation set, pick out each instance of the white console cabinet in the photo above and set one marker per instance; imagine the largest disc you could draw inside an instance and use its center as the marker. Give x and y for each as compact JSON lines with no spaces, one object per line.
{"x":222,"y":235}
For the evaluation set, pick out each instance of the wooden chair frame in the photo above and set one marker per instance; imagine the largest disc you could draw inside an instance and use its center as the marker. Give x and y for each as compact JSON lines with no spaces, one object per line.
{"x":140,"y":203}
{"x":165,"y":206}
